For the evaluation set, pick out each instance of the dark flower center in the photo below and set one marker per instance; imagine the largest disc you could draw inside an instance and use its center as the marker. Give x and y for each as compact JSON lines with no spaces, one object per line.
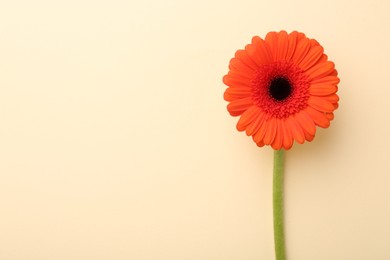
{"x":280,"y":88}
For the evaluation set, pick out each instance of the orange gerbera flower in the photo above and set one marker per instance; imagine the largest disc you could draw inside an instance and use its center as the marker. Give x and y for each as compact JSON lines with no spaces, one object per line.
{"x":282,"y":88}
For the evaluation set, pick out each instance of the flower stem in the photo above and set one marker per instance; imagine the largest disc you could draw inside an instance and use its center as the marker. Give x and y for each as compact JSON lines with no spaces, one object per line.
{"x":278,"y":204}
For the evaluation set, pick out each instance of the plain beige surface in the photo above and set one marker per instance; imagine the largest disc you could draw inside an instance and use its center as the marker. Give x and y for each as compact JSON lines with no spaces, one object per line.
{"x":115,"y":142}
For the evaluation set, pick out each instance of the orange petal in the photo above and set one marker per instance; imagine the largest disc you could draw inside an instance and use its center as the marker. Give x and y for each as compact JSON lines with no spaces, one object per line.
{"x":260,"y":144}
{"x":238,"y":65}
{"x":320,"y":70}
{"x":292,"y":44}
{"x":246,"y":118}
{"x":259,"y":135}
{"x":303,"y":46}
{"x":282,"y":46}
{"x":236,"y":93}
{"x":326,"y":80}
{"x":232,"y":81}
{"x":308,"y":127}
{"x":243,"y":56}
{"x":305,"y":122}
{"x":244,"y":76}
{"x":262,"y":53}
{"x":239,"y":90}
{"x":296,"y":129}
{"x":301,"y":36}
{"x":309,"y":137}
{"x":332,"y":98}
{"x":311,"y":57}
{"x":324,"y":58}
{"x":271,"y":131}
{"x":254,"y":126}
{"x":314,"y":43}
{"x":278,"y":141}
{"x":272,"y":41}
{"x":330,"y":116}
{"x":319,"y":118}
{"x":322,"y":89}
{"x":334,"y":73}
{"x":233,"y":93}
{"x":251,"y":50}
{"x":287,"y":135}
{"x":320,"y":103}
{"x":238,"y":106}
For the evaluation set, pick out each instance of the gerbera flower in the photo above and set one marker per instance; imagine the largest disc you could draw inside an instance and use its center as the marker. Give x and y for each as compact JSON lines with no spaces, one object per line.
{"x":282,"y":88}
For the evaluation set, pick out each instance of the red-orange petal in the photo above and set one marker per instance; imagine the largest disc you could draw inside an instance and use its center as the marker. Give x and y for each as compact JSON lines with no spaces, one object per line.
{"x":311,"y":57}
{"x":272,"y":41}
{"x":238,"y":66}
{"x":232,"y":81}
{"x":292,"y":43}
{"x":246,"y":118}
{"x":236,"y":93}
{"x":250,"y":49}
{"x":330,"y":116}
{"x":320,"y":70}
{"x":296,"y":129}
{"x":259,"y":135}
{"x":308,"y":128}
{"x":231,"y":94}
{"x":246,"y":59}
{"x":263,"y":52}
{"x":322,"y":89}
{"x":260,"y":144}
{"x":246,"y":78}
{"x":239,"y":91}
{"x":318,"y":117}
{"x":334,"y":98}
{"x":324,"y":58}
{"x":303,"y":46}
{"x":334,"y":73}
{"x":287,"y":135}
{"x":314,"y":43}
{"x":278,"y":141}
{"x":320,"y":103}
{"x":282,"y":46}
{"x":255,"y":125}
{"x":237,"y":107}
{"x":259,"y":51}
{"x":271,"y":131}
{"x":326,"y":80}
{"x":309,"y":137}
{"x":305,"y":122}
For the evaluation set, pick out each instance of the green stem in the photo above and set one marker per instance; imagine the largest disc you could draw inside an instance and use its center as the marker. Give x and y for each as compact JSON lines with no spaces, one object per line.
{"x":278,"y":205}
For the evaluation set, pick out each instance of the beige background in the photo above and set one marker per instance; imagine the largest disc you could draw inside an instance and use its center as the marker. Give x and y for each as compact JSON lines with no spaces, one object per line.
{"x":115,"y":142}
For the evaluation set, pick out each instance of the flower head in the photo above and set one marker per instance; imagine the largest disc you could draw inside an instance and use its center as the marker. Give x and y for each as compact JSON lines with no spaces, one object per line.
{"x":282,"y":88}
